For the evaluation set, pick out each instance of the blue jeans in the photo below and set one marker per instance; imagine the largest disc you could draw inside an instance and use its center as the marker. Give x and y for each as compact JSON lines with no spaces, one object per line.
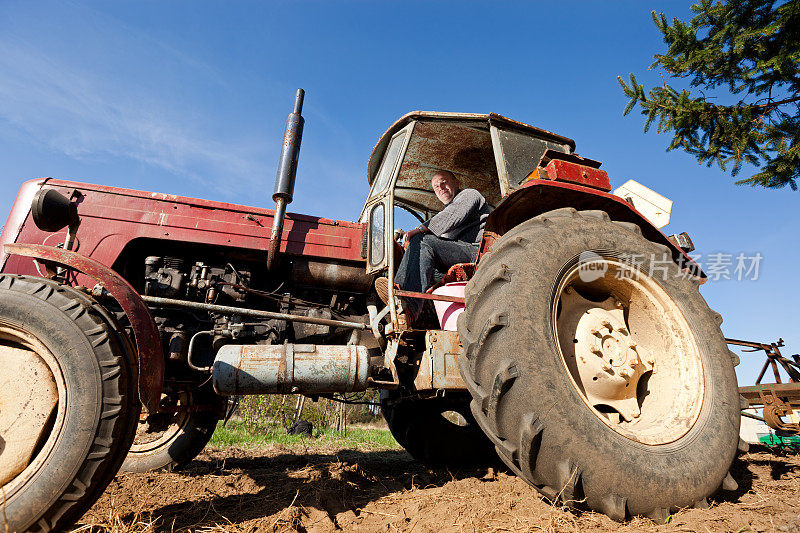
{"x":425,"y":255}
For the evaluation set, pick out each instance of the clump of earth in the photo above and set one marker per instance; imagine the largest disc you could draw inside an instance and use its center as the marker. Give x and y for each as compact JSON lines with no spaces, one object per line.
{"x":273,"y":488}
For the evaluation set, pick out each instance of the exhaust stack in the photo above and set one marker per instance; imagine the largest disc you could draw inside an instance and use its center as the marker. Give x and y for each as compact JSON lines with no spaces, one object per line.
{"x":287,"y":171}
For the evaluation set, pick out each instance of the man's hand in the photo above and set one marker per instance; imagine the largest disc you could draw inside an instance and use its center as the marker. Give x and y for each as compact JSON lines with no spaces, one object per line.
{"x":409,"y":234}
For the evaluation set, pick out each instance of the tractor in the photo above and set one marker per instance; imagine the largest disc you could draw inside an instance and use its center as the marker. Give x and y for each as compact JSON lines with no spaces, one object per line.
{"x":583,"y":355}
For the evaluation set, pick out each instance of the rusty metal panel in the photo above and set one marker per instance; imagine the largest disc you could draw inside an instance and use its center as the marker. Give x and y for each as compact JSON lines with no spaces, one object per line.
{"x":438,"y":367}
{"x":464,"y":151}
{"x":753,"y":393}
{"x":561,"y":170}
{"x":148,"y":340}
{"x":472,"y":120}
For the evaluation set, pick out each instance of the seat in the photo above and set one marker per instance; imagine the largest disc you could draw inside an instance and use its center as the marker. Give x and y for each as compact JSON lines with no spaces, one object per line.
{"x":457,"y":272}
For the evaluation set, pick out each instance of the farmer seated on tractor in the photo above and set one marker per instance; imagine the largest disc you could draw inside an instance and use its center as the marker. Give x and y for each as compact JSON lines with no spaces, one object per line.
{"x":451,"y":236}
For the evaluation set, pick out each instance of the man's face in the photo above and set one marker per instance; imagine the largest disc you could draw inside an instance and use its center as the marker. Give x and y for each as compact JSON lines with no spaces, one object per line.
{"x":445,"y":187}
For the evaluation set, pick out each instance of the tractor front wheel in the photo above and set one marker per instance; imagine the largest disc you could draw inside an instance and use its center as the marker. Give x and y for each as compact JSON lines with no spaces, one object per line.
{"x":172,"y":439}
{"x":597,"y":368}
{"x":68,"y":402}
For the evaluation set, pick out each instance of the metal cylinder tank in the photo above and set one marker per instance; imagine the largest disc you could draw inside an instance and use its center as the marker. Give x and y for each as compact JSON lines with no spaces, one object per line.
{"x":288,"y":368}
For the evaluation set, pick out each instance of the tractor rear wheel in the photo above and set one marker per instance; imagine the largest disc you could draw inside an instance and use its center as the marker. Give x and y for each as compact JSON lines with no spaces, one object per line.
{"x":68,"y":402}
{"x":597,"y":368}
{"x":437,"y":431}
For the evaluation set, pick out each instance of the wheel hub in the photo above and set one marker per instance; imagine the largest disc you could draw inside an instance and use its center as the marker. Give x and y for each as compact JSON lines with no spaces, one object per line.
{"x":609,"y":362}
{"x":28,"y":397}
{"x":606,"y":358}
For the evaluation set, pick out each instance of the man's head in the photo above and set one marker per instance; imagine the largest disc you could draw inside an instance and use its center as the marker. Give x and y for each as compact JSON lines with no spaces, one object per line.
{"x":445,"y":185}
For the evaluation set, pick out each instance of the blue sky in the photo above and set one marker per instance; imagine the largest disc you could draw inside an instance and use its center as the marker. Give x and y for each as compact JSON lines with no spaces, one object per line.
{"x":191,"y":97}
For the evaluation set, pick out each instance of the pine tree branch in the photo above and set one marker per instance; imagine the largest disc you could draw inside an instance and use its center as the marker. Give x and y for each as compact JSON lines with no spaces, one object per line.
{"x":776,"y":103}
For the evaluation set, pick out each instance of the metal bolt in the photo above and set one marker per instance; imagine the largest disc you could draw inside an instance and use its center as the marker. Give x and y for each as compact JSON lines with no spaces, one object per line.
{"x":607,"y":324}
{"x":597,"y":351}
{"x":624,"y":331}
{"x":605,"y":366}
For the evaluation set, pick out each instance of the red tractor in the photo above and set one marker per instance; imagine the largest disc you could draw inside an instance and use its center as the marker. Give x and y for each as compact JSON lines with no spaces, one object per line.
{"x":585,"y":357}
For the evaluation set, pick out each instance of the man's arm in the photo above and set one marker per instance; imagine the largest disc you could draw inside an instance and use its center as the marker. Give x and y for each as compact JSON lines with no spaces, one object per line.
{"x":463,"y":208}
{"x":411,"y":233}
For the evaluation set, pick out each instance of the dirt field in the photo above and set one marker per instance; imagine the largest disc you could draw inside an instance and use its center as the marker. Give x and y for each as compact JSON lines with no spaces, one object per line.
{"x":273,"y":488}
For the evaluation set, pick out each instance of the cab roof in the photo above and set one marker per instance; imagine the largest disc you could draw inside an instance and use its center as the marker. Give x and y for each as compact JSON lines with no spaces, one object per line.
{"x":473,"y":120}
{"x":458,"y":142}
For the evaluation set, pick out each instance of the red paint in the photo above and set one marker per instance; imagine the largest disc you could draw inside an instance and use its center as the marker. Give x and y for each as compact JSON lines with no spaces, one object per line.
{"x":148,"y":340}
{"x":427,"y":296}
{"x":562,"y":170}
{"x":19,"y":212}
{"x":539,"y":196}
{"x":112,"y":217}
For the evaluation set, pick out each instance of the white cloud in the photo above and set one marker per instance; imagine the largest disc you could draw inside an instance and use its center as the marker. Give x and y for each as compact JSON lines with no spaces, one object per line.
{"x":53,"y":101}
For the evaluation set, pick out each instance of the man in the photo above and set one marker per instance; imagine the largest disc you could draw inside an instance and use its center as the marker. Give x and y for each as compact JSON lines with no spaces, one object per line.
{"x":451,"y":236}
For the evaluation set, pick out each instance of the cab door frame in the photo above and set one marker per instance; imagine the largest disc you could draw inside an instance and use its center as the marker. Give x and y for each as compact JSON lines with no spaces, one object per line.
{"x":381,"y":198}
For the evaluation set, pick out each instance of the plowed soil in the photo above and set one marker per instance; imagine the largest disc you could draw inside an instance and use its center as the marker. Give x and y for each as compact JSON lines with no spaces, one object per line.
{"x":277,"y":489}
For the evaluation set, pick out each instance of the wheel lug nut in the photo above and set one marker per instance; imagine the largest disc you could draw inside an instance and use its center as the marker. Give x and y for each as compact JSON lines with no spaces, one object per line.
{"x":607,"y":324}
{"x":624,"y":331}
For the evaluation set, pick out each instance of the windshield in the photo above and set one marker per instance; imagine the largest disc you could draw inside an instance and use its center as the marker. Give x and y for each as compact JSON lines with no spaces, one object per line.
{"x":521,"y":154}
{"x":388,"y":163}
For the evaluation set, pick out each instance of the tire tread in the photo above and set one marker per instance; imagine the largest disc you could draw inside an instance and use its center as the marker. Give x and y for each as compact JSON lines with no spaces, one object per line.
{"x":521,"y":449}
{"x":120,"y":404}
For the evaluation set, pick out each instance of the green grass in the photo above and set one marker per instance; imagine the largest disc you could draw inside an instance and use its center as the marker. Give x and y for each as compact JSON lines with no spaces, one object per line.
{"x":235,"y":433}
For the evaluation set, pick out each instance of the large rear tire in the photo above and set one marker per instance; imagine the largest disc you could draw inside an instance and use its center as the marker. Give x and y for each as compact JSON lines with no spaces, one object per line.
{"x":68,"y":400}
{"x":437,"y":431}
{"x":599,"y":379}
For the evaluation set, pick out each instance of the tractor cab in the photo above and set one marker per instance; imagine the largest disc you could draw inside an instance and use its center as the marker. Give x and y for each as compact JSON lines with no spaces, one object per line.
{"x":490,"y":153}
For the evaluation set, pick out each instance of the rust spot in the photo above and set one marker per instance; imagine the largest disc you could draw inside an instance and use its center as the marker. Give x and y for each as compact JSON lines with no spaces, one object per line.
{"x":464,"y":151}
{"x":148,"y":341}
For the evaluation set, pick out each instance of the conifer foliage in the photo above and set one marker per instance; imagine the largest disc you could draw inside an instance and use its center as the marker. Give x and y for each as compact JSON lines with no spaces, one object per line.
{"x":745,"y":50}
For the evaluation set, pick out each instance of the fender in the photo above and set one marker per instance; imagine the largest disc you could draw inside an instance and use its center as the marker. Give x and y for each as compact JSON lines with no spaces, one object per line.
{"x":539,"y":196}
{"x":145,"y":332}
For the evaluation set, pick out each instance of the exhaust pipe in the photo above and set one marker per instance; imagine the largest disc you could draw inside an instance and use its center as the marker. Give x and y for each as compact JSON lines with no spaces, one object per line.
{"x":287,"y":171}
{"x":290,"y":368}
